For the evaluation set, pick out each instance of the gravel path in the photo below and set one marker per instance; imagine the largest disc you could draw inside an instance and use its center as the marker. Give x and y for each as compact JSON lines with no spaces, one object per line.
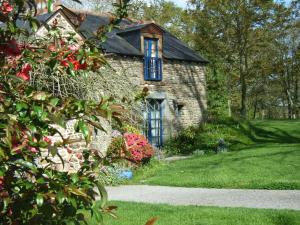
{"x":272,"y":199}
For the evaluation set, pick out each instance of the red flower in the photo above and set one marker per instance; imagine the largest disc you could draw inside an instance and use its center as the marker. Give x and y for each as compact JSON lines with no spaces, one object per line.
{"x":33,"y":149}
{"x":6,"y":8}
{"x":76,"y":65}
{"x":1,"y":183}
{"x":11,"y":48}
{"x":64,"y":63}
{"x":48,"y":140}
{"x":83,"y":66}
{"x":71,"y":58}
{"x":24,"y":73}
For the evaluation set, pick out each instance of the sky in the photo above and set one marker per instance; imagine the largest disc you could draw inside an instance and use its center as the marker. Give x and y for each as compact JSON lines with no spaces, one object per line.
{"x":182,"y":3}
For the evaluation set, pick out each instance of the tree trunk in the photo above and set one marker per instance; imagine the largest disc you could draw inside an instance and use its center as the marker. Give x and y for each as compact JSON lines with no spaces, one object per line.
{"x":296,"y":93}
{"x":243,"y":88}
{"x":255,"y":107}
{"x":229,"y":107}
{"x":290,"y":103}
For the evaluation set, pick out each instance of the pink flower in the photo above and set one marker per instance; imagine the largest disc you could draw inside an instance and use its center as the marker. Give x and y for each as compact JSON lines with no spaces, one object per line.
{"x":74,"y":47}
{"x":48,"y":140}
{"x":6,"y":8}
{"x":79,"y":155}
{"x":33,"y":149}
{"x":24,"y":73}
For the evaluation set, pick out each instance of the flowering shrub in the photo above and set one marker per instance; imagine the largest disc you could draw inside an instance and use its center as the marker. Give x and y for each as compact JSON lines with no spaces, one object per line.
{"x":29,"y":192}
{"x":138,"y":147}
{"x":131,"y":146}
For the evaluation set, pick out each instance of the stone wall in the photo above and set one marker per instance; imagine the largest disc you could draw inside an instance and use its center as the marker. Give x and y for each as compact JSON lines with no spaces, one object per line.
{"x":62,"y":21}
{"x":72,"y":154}
{"x":182,"y":88}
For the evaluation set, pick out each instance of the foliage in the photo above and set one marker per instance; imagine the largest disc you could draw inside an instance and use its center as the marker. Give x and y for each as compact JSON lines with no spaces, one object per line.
{"x":32,"y":191}
{"x":217,"y":94}
{"x":235,"y":133}
{"x":130,"y":129}
{"x":116,"y":148}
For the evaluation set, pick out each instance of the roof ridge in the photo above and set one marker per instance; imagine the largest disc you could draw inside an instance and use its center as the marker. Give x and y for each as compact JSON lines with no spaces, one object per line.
{"x":84,"y":11}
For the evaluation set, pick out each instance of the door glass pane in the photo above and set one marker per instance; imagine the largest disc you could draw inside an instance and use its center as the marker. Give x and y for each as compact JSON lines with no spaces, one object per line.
{"x":154,"y":122}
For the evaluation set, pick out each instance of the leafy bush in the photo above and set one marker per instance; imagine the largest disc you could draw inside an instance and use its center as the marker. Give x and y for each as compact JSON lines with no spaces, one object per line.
{"x":235,"y":133}
{"x":32,"y":192}
{"x":117,"y":148}
{"x":138,"y":147}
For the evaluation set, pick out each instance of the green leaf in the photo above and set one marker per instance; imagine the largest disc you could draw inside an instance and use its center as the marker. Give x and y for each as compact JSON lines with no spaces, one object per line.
{"x":11,"y":27}
{"x":103,"y":194}
{"x":20,"y":106}
{"x":39,"y":200}
{"x":26,"y":164}
{"x":38,"y":111}
{"x":5,"y":204}
{"x":74,"y":178}
{"x":83,"y":128}
{"x":54,"y":101}
{"x":41,"y":180}
{"x":34,"y":24}
{"x":78,"y":192}
{"x":52,"y":149}
{"x":61,"y":197}
{"x":97,"y":215}
{"x":50,"y":6}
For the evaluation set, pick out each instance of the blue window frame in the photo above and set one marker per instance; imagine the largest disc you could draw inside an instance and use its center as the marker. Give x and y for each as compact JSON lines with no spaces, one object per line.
{"x":152,"y":62}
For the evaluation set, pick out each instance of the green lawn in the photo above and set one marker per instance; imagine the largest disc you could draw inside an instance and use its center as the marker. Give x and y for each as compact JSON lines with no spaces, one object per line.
{"x":272,"y":163}
{"x":138,"y":214}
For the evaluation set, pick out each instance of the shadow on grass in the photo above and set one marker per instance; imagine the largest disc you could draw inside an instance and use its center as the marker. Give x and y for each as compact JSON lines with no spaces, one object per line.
{"x":260,"y":135}
{"x":284,"y":220}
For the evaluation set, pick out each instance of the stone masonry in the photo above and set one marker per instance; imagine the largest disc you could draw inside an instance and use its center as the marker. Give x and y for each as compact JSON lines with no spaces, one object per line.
{"x":182,"y":88}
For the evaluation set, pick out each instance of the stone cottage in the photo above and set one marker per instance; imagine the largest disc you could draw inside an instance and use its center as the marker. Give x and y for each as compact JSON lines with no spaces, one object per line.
{"x":153,"y":58}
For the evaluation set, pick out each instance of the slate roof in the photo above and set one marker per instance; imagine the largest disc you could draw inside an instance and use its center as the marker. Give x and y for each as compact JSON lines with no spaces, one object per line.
{"x":173,"y":48}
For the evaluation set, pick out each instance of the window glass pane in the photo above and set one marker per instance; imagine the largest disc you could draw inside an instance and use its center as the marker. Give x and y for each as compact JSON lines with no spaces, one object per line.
{"x":154,"y":48}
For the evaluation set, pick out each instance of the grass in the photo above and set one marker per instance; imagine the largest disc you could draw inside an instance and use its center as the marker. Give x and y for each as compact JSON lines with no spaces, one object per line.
{"x":273,"y":162}
{"x":139,"y":214}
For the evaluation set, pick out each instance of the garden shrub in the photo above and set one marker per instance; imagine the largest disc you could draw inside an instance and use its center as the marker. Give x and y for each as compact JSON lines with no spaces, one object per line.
{"x":131,"y":146}
{"x":234,"y":132}
{"x":31,"y":192}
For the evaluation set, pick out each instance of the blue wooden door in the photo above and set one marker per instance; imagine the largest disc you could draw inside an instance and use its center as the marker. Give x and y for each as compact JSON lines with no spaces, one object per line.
{"x":154,"y":127}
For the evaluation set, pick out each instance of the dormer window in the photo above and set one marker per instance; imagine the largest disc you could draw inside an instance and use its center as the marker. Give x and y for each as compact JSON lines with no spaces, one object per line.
{"x":152,"y":60}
